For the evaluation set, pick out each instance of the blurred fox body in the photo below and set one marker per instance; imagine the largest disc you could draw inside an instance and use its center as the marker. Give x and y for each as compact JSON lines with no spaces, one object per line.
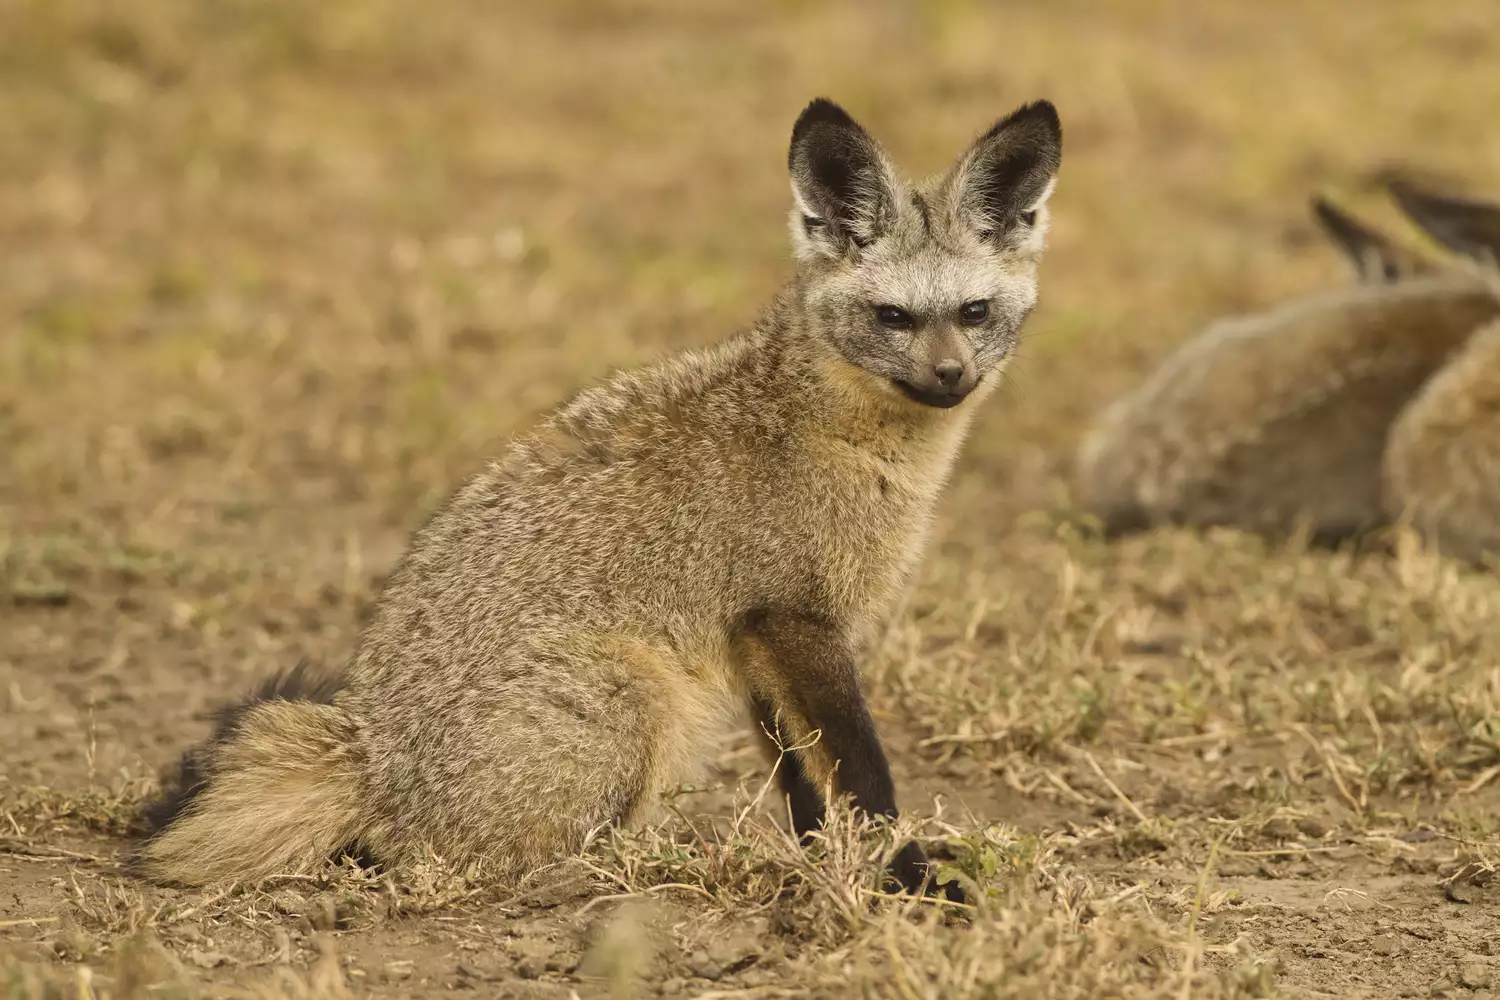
{"x":708,"y":539}
{"x":1442,"y":459}
{"x":1280,"y":420}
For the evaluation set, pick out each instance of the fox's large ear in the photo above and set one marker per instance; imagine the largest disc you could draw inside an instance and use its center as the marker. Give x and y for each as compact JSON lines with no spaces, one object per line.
{"x":1000,"y":187}
{"x":1374,"y":259}
{"x":844,"y":186}
{"x":1465,"y":226}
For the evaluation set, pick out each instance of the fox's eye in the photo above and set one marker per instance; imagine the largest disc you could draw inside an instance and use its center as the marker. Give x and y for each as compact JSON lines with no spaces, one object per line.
{"x":1028,"y":219}
{"x":893,"y":317}
{"x":974,"y":313}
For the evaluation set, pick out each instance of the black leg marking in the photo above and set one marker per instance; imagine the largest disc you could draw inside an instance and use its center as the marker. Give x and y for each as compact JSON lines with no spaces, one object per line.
{"x":819,"y":677}
{"x":1124,"y":521}
{"x":1338,"y":535}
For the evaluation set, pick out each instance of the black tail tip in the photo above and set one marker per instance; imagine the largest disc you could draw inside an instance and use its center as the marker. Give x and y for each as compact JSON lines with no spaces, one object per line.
{"x":176,"y":793}
{"x":191,"y":775}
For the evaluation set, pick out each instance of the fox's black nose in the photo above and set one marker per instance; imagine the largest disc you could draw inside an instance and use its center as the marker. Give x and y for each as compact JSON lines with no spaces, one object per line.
{"x":948,"y":373}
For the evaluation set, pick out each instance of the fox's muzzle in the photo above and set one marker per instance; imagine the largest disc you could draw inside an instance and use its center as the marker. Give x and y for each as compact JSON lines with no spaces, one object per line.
{"x":944,"y":376}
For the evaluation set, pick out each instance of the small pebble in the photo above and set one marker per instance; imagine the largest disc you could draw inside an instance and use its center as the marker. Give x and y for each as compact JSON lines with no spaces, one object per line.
{"x":207,"y":959}
{"x":398,"y":971}
{"x":324,"y":914}
{"x":1474,"y":975}
{"x":1459,"y":891}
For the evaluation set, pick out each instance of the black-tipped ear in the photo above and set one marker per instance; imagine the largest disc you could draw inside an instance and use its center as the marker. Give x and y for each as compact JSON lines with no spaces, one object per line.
{"x":1463,"y":225}
{"x":844,"y":186}
{"x":1008,"y":173}
{"x":1373,"y":257}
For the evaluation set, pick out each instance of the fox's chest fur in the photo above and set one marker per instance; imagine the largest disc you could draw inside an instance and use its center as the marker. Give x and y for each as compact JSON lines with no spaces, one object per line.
{"x":868,"y":524}
{"x":678,"y":500}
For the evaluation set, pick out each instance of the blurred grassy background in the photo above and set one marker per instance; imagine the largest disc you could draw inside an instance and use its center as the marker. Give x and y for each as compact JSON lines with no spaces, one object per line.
{"x":260,"y":251}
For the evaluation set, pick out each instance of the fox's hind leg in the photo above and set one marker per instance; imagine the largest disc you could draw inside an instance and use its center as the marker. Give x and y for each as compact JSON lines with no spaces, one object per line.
{"x":544,"y":746}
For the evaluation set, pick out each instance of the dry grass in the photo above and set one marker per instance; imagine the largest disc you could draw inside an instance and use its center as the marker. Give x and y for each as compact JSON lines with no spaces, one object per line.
{"x":280,"y":272}
{"x":1036,"y":926}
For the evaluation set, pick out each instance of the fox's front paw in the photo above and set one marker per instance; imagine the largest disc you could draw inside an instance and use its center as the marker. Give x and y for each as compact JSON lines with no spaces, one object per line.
{"x":911,"y":869}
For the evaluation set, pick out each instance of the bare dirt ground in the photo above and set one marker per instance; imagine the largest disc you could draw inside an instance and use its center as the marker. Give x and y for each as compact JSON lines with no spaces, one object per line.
{"x":277,"y":274}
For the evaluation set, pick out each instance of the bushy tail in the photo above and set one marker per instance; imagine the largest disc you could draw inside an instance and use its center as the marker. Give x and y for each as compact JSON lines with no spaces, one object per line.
{"x":273,"y":790}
